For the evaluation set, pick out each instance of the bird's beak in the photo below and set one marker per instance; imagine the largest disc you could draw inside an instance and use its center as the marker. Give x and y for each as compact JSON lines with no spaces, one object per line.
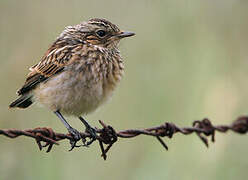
{"x":124,"y":34}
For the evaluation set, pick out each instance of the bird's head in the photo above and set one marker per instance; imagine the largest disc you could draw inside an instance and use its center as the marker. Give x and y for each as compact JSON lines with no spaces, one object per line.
{"x":99,"y":32}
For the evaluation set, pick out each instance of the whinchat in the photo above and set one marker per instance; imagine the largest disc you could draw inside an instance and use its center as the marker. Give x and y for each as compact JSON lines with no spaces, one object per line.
{"x":78,"y":72}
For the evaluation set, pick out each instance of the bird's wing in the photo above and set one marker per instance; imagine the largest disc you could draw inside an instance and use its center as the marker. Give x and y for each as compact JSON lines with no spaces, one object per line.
{"x":54,"y":61}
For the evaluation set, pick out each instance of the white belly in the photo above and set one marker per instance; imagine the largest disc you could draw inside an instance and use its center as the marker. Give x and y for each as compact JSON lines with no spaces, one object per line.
{"x":72,"y":94}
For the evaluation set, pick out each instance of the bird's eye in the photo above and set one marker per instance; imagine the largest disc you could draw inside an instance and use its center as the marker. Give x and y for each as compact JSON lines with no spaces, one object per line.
{"x":101,"y":33}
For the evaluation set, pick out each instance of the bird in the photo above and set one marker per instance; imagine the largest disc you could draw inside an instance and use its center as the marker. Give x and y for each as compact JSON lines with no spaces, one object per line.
{"x":77,"y":74}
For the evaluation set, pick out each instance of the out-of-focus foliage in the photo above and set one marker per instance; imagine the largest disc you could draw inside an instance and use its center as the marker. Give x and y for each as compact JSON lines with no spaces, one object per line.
{"x":188,"y":60}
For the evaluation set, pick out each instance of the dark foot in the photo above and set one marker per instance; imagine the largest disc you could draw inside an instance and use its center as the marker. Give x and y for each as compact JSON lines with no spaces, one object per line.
{"x":89,"y":130}
{"x":93,"y":135}
{"x":76,"y":136}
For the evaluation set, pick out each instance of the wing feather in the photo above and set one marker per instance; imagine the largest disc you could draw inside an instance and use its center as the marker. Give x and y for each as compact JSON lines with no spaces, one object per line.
{"x":55,"y":59}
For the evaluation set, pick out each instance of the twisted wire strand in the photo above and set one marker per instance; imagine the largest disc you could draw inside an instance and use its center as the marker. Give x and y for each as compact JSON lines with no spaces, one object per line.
{"x":46,"y":137}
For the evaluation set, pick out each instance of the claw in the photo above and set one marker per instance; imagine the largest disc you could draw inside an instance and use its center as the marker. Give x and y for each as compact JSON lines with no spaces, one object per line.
{"x":93,"y":136}
{"x":89,"y":130}
{"x":92,"y":133}
{"x":76,"y":136}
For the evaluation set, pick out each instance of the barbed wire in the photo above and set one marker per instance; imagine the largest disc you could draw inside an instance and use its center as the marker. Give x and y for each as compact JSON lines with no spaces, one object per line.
{"x":46,"y":137}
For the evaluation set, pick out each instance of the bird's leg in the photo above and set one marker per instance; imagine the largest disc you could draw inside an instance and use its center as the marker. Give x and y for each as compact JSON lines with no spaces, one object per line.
{"x":89,"y":130}
{"x":75,"y":134}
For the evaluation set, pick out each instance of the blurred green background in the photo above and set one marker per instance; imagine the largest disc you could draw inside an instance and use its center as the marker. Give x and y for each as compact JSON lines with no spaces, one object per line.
{"x":188,"y":60}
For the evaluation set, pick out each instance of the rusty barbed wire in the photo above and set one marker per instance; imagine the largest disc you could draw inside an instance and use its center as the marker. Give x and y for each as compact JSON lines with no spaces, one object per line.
{"x":108,"y":136}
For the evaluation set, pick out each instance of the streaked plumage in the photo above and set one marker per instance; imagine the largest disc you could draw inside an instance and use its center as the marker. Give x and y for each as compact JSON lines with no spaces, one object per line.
{"x":78,"y":72}
{"x":84,"y":84}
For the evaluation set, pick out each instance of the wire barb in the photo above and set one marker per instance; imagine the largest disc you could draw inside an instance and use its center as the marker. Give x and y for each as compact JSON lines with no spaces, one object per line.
{"x":108,"y":136}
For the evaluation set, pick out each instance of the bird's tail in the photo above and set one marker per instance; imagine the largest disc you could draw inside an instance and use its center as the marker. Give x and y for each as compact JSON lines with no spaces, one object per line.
{"x":23,"y":101}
